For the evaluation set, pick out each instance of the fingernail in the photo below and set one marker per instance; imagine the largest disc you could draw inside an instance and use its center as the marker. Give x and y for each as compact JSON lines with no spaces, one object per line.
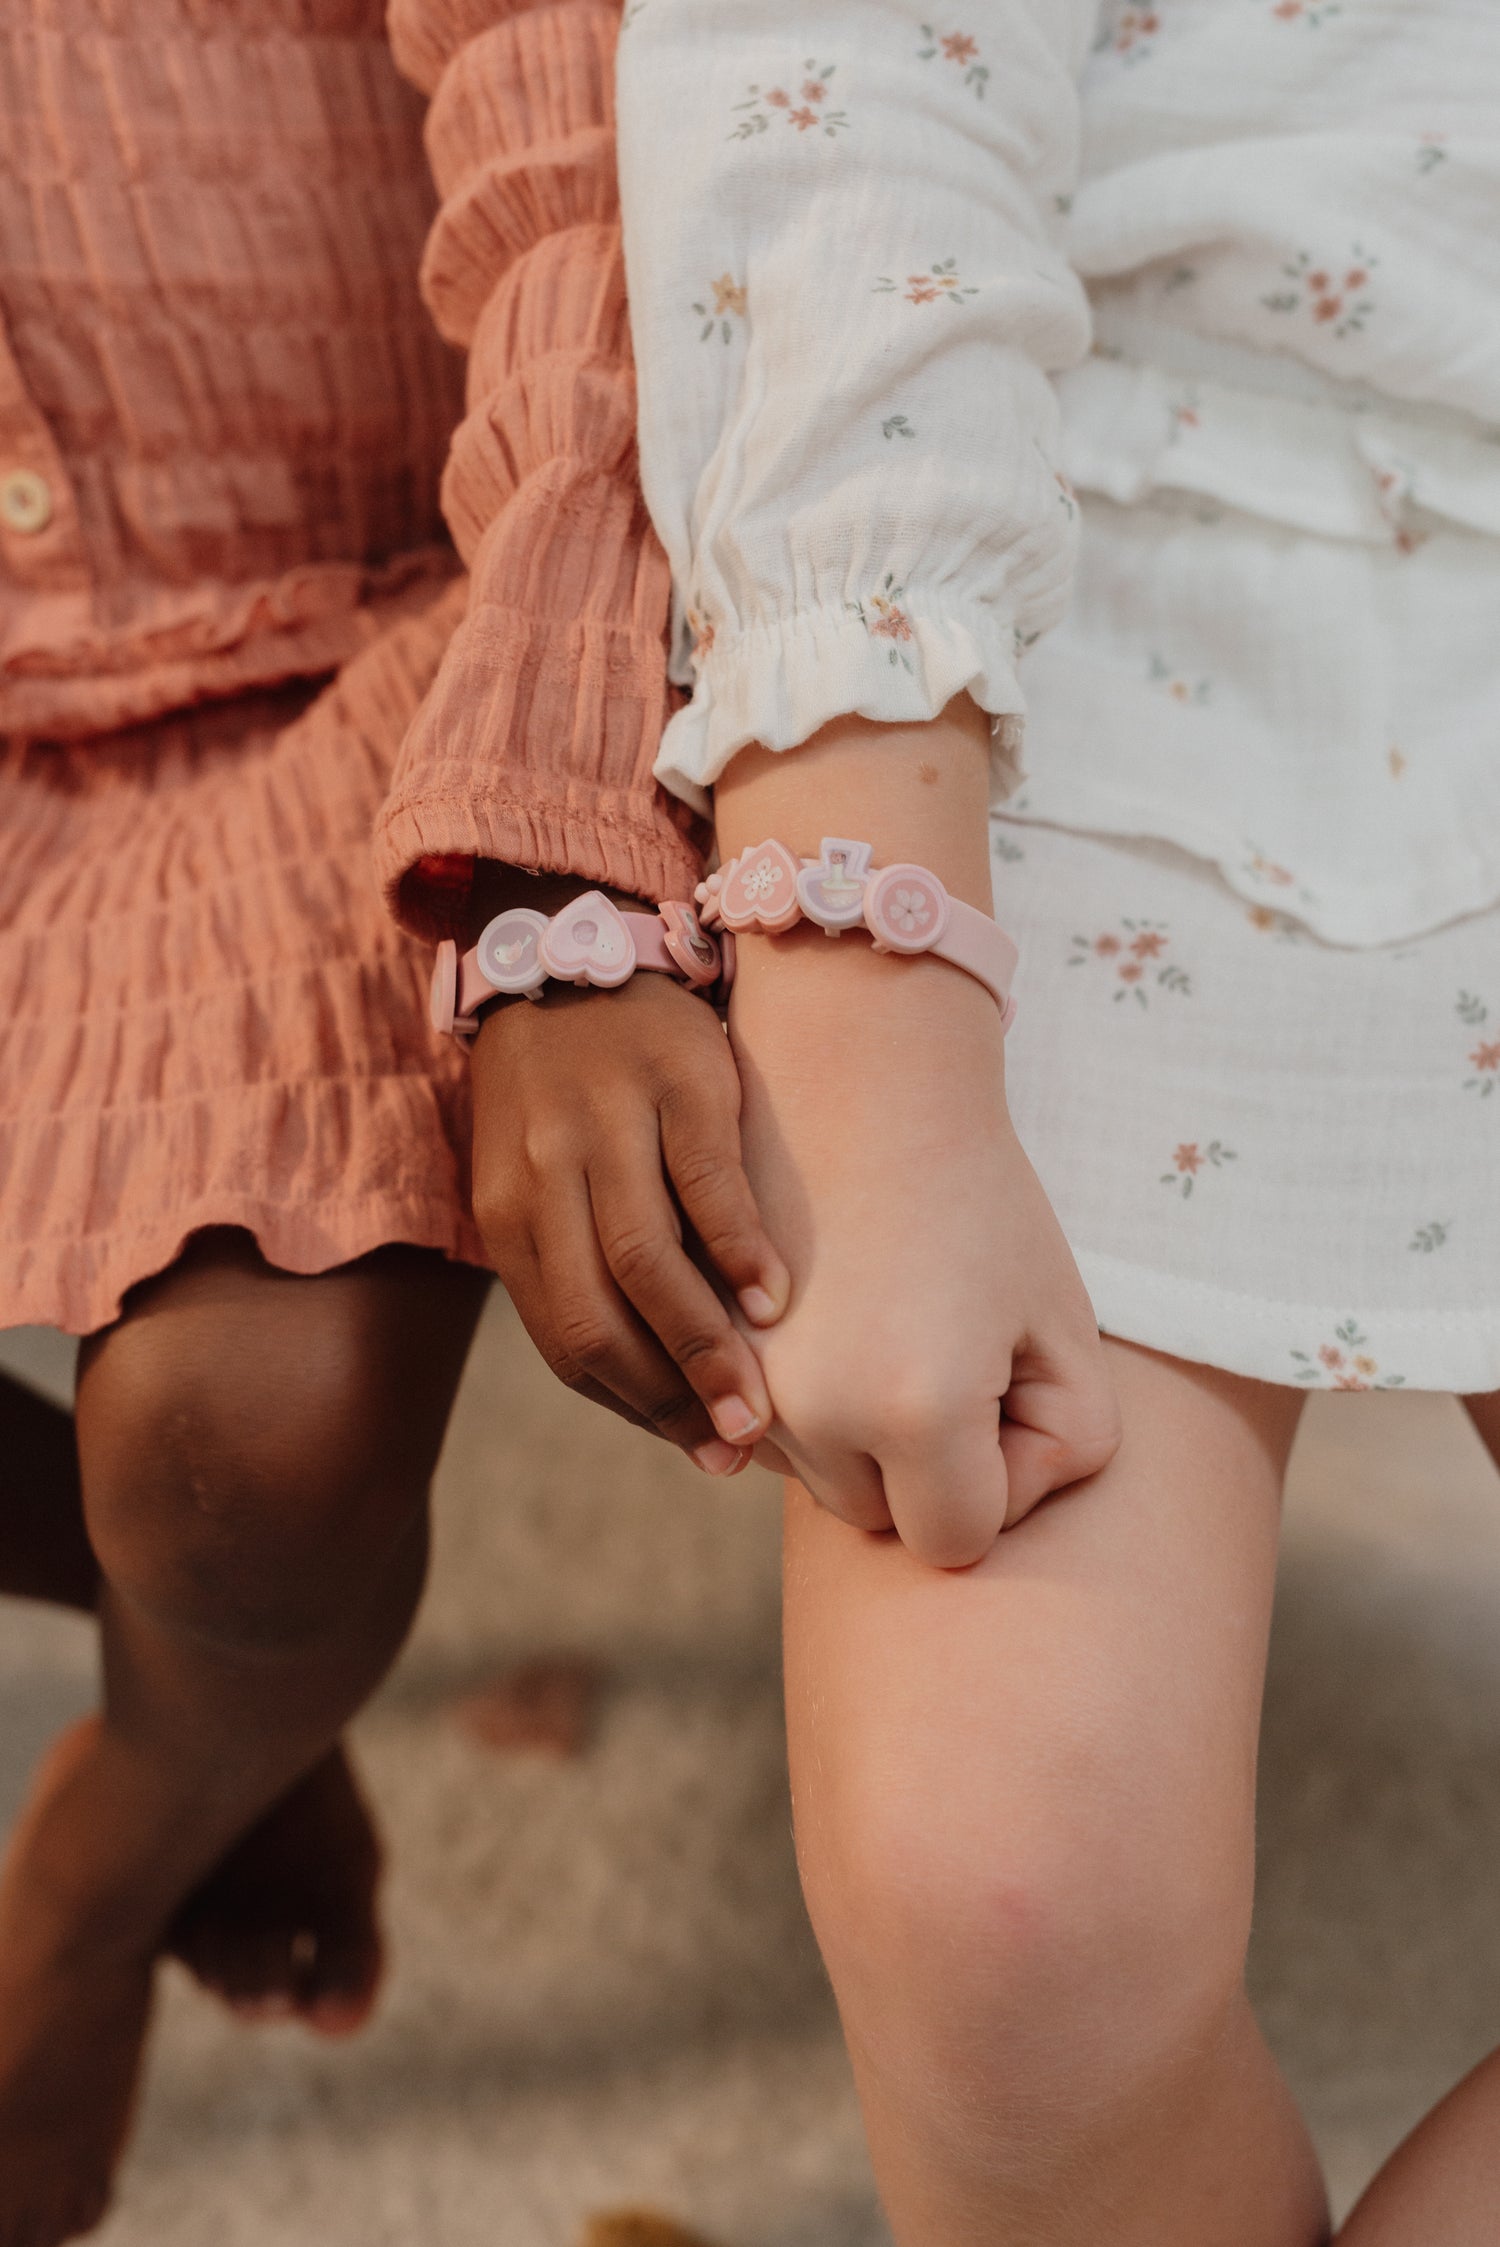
{"x":759,"y":1305}
{"x":717,"y":1458}
{"x":734,"y":1419}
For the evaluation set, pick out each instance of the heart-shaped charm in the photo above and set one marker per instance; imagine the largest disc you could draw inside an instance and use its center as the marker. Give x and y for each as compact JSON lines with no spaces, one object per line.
{"x":588,"y":942}
{"x":509,"y":953}
{"x":759,"y":890}
{"x":906,"y":909}
{"x":694,"y":951}
{"x":831,"y":889}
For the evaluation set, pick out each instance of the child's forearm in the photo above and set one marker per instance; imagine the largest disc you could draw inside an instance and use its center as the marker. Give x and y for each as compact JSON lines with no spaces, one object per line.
{"x":918,"y":793}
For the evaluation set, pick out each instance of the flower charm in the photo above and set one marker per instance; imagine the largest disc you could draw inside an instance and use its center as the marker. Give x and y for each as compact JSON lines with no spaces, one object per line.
{"x":757,"y":891}
{"x":906,"y":909}
{"x":909,"y":911}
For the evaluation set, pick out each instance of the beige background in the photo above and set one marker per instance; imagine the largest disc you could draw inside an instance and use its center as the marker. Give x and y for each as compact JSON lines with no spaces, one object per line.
{"x":605,"y":1991}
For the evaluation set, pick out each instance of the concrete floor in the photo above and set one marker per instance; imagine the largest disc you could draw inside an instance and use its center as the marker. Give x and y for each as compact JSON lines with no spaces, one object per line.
{"x":605,"y":1992}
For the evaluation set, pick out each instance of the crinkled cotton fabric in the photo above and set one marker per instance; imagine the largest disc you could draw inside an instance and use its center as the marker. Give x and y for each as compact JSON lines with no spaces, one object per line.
{"x":240,"y":682}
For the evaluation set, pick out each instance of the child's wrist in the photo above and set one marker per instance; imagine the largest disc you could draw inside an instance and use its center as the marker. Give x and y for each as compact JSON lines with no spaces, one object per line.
{"x":919,"y":794}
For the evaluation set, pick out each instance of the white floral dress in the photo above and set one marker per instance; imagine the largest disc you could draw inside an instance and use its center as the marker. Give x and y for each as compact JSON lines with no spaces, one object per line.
{"x":1137,"y":371}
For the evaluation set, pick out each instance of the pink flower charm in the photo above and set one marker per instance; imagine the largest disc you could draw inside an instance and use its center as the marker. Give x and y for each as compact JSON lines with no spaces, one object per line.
{"x":759,"y":890}
{"x":906,"y":909}
{"x":831,"y":889}
{"x":510,"y":950}
{"x":588,"y":942}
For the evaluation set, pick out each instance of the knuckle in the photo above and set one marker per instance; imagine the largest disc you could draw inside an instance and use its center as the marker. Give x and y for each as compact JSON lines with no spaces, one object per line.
{"x":669,"y":1414}
{"x":580,"y":1346}
{"x":702,"y":1351}
{"x":543,"y":1144}
{"x":1095,"y":1434}
{"x":637,"y":1256}
{"x":702,"y":1174}
{"x":913,"y":1409}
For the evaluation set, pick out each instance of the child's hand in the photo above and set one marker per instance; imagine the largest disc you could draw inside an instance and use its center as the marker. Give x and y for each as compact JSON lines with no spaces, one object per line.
{"x":602,"y":1121}
{"x":930,"y":1278}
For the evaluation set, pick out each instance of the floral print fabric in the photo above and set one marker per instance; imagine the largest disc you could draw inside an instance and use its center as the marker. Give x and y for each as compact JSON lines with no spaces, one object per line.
{"x":1284,"y":212}
{"x":1282,"y":1160}
{"x":857,"y":484}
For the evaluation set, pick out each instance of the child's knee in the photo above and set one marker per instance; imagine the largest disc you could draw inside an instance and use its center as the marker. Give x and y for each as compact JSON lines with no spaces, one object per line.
{"x":1020,"y":1966}
{"x":255,"y":1504}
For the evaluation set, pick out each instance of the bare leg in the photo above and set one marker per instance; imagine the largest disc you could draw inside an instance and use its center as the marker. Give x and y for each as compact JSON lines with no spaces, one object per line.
{"x":1485,"y":1414}
{"x":1442,"y":2187}
{"x":255,"y":1453}
{"x":285,"y":1923}
{"x":1025,"y":1802}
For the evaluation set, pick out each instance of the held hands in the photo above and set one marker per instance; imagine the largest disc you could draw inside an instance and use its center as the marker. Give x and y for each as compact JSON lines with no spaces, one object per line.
{"x":939,"y":1369}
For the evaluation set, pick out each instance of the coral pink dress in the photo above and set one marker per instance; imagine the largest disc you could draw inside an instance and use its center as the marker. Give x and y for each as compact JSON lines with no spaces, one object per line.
{"x":246,"y":683}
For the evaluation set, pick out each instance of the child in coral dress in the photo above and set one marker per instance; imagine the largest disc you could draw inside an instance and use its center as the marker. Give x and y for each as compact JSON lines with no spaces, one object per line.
{"x":232,"y":1154}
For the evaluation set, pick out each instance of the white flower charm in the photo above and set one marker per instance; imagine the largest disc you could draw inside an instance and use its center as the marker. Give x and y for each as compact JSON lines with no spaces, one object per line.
{"x":910,"y":911}
{"x":762,"y":879}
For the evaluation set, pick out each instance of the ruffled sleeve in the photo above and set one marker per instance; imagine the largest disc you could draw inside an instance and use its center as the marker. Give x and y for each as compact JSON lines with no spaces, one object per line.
{"x":842,"y":230}
{"x":535,"y":743}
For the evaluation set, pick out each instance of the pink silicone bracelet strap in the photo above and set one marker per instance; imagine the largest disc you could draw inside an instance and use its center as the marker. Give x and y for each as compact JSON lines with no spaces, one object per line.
{"x":906,"y":909}
{"x":590,"y":941}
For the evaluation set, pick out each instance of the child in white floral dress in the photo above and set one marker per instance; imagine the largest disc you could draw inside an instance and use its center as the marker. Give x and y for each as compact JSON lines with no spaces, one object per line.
{"x":1250,"y":849}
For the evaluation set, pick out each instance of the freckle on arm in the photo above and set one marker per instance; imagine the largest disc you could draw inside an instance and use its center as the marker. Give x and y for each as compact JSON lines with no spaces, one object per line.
{"x":927,"y":772}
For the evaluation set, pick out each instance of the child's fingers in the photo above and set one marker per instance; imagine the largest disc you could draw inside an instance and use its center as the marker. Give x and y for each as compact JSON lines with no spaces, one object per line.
{"x":592,"y":1339}
{"x":846,"y":1484}
{"x":946,"y":1486}
{"x":1060,"y":1423}
{"x":642,"y":1246}
{"x":700,"y":1141}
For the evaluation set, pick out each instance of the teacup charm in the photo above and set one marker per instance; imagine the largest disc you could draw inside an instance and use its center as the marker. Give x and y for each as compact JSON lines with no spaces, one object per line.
{"x":588,"y":942}
{"x":508,"y":953}
{"x":831,"y":889}
{"x":759,"y":890}
{"x":689,"y":944}
{"x":906,"y":909}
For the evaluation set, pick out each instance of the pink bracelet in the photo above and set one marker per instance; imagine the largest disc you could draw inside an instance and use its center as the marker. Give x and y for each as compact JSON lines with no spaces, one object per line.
{"x":590,"y":941}
{"x":905,"y":908}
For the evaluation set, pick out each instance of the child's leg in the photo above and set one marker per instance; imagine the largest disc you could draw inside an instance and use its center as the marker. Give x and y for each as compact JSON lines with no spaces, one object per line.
{"x":287,"y":1917}
{"x":1025,"y":1818}
{"x":1485,"y":1414}
{"x":1442,"y":2187}
{"x":255,"y":1457}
